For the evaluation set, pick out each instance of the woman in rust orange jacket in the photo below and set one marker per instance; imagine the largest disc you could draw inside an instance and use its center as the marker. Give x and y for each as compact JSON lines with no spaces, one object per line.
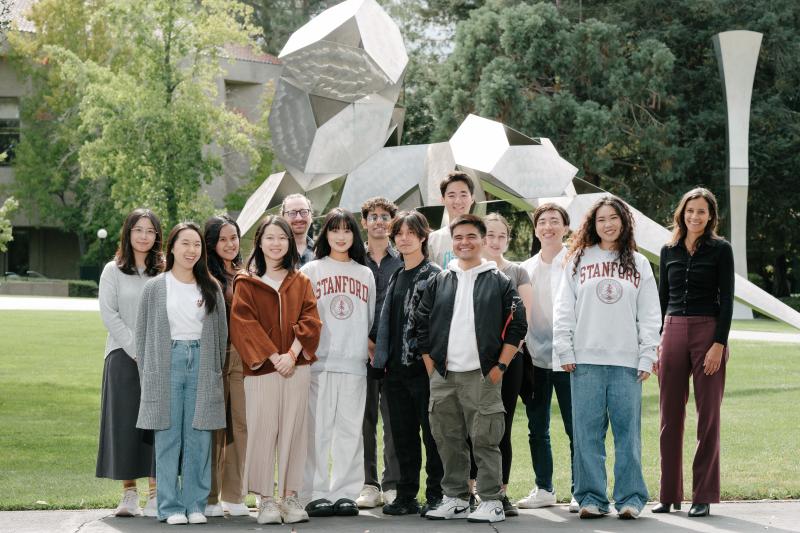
{"x":277,"y":349}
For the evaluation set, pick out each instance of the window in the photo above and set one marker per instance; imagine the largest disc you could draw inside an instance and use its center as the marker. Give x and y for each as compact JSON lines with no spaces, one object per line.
{"x":9,"y":128}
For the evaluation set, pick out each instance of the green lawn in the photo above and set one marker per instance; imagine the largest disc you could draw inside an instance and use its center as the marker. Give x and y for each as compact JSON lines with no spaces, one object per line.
{"x":50,"y":372}
{"x":763,"y":324}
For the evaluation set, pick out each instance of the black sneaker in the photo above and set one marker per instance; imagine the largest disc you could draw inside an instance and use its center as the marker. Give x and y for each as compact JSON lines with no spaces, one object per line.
{"x":402,"y":506}
{"x":430,"y":505}
{"x":345,"y":507}
{"x":320,"y":507}
{"x":509,"y":508}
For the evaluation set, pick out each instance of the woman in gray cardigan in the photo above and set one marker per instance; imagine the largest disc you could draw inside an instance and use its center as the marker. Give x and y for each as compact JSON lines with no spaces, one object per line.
{"x":181,"y":336}
{"x":125,"y":452}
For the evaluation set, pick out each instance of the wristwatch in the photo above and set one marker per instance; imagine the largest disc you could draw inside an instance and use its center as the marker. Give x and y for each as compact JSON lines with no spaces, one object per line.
{"x":502,"y":366}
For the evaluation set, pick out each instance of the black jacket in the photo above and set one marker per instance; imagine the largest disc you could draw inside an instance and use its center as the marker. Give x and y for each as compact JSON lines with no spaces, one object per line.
{"x":494,"y":299}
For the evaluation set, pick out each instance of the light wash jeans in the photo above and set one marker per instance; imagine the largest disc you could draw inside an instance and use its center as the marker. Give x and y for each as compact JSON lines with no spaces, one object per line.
{"x":181,"y":442}
{"x":603,"y":393}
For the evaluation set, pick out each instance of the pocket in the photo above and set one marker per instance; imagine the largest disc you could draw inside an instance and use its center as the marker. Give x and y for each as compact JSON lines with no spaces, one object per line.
{"x":490,"y":424}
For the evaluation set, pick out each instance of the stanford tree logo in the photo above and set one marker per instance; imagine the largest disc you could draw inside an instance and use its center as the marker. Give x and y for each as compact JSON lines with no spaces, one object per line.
{"x":609,"y":291}
{"x":341,"y":307}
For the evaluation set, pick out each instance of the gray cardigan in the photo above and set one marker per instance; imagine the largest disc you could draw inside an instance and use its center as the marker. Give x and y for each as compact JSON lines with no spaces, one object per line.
{"x":154,"y":347}
{"x":119,"y":304}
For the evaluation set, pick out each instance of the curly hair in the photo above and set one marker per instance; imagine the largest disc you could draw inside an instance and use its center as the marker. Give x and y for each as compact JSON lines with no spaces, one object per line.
{"x":587,"y":235}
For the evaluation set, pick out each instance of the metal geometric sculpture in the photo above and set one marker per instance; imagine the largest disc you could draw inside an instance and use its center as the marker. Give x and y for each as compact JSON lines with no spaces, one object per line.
{"x":336,"y":128}
{"x":737,"y":55}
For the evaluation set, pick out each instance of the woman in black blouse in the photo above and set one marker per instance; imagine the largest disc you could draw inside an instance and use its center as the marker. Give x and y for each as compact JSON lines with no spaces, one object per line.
{"x":696,"y":293}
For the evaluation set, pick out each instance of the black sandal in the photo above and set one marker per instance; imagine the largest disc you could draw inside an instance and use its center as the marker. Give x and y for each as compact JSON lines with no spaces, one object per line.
{"x":345,"y":507}
{"x":319,"y":508}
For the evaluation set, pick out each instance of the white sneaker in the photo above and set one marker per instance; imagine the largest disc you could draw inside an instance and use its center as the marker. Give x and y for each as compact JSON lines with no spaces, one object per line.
{"x":488,"y":511}
{"x":129,"y":505}
{"x":197,"y":518}
{"x":628,"y":512}
{"x":591,"y":511}
{"x":177,"y":519}
{"x":370,"y":497}
{"x":268,"y":512}
{"x":291,"y":511}
{"x":151,"y":508}
{"x":449,"y":509}
{"x":214,"y":509}
{"x":236,"y":509}
{"x":389,"y":496}
{"x":573,"y":505}
{"x":538,"y":498}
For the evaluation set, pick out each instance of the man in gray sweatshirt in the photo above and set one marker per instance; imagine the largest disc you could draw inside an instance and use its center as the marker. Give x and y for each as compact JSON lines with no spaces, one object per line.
{"x":470,"y":323}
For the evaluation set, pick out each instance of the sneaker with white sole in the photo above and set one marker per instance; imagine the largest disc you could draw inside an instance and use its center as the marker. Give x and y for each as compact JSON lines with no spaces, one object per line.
{"x":129,"y":505}
{"x":370,"y":497}
{"x":177,"y":519}
{"x":591,"y":511}
{"x":197,"y":518}
{"x":389,"y":496}
{"x":291,"y":511}
{"x":628,"y":512}
{"x":235,"y":509}
{"x":268,"y":512}
{"x":449,"y":509}
{"x":214,"y":509}
{"x":573,"y":505}
{"x":151,"y":508}
{"x":538,"y":498}
{"x":488,"y":511}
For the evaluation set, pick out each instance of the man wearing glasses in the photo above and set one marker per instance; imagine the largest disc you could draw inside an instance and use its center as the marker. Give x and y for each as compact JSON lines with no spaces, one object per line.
{"x":376,"y":217}
{"x":297,"y":211}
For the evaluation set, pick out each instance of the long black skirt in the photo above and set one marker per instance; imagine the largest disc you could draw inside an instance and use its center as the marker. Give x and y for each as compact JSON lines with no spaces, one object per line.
{"x":125,"y":452}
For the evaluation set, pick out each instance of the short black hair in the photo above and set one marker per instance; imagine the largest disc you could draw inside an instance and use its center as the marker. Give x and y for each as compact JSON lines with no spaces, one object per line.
{"x":454,"y":177}
{"x":341,"y":218}
{"x":416,"y":223}
{"x":473,"y":220}
{"x":550,"y":206}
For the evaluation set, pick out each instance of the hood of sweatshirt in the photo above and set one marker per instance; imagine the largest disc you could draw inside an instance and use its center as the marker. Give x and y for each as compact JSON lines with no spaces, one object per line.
{"x":258,"y":283}
{"x":473,"y":272}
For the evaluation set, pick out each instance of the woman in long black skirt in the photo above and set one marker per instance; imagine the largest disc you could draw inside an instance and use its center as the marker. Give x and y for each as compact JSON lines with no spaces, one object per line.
{"x":125,"y":452}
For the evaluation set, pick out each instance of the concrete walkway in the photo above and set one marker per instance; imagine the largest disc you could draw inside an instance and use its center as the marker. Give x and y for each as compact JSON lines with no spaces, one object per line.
{"x":727,"y":517}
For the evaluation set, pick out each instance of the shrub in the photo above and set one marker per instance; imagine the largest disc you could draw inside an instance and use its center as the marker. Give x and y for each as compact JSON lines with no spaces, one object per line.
{"x":82,"y":288}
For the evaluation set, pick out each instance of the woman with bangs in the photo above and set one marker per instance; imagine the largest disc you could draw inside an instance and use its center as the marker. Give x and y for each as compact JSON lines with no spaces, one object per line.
{"x":605,"y":332}
{"x":181,"y":336}
{"x":277,"y":350}
{"x":345,"y":291}
{"x":126,"y":452}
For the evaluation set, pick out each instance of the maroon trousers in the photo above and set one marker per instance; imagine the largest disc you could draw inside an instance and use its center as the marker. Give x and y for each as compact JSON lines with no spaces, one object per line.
{"x":684,"y":344}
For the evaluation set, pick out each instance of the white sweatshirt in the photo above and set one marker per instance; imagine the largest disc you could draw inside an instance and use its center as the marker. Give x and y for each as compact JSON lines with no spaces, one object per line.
{"x":462,"y":344}
{"x":440,"y":246}
{"x":604,"y":318}
{"x":545,"y":279}
{"x":346,"y":303}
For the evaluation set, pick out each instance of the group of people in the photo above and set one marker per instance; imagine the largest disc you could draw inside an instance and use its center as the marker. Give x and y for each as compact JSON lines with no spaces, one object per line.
{"x":222,"y":375}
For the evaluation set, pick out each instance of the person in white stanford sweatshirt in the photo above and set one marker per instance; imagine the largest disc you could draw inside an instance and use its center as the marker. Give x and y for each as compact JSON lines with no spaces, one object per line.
{"x":345,"y":292}
{"x":606,"y":325}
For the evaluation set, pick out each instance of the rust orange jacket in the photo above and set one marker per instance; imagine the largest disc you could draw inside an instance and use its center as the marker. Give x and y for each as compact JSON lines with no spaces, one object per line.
{"x":265,"y":321}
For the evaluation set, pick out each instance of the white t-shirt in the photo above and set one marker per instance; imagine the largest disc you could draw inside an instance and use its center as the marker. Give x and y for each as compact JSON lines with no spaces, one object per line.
{"x":185,"y":309}
{"x":540,"y":326}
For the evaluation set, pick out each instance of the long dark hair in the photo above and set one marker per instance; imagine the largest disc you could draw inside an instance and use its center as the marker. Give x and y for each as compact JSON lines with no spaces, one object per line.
{"x":587,"y":235}
{"x":336,"y":219}
{"x":257,"y":263}
{"x":125,"y":259}
{"x":216,"y":265}
{"x":208,"y":285}
{"x":679,"y":223}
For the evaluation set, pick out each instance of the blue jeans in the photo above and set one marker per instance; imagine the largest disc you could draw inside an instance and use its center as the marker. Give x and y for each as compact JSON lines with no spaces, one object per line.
{"x":538,"y":410}
{"x":603,"y":393}
{"x":181,"y":442}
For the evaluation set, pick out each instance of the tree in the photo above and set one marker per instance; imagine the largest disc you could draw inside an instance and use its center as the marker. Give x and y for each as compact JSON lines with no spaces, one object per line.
{"x":135,"y":112}
{"x":278,"y":19}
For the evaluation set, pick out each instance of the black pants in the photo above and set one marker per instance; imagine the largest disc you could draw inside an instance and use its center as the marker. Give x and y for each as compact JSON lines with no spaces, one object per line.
{"x":408,"y":395}
{"x":512,"y":384}
{"x":378,"y":401}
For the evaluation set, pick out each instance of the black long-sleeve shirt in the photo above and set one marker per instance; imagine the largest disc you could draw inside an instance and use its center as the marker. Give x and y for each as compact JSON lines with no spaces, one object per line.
{"x":699,"y":284}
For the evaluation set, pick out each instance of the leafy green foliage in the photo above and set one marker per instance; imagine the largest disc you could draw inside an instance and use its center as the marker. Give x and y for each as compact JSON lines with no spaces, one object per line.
{"x":6,"y":209}
{"x":278,"y":19}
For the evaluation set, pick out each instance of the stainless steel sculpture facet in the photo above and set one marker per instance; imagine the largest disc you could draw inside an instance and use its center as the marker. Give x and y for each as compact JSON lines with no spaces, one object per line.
{"x":737,"y":55}
{"x":335,"y":125}
{"x":521,"y":166}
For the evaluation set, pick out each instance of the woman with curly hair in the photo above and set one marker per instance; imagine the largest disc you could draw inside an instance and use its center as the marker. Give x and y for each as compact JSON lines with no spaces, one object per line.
{"x":605,"y":332}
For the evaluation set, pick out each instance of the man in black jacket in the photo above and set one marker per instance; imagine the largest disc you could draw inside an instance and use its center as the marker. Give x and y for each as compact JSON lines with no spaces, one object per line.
{"x":470,"y":323}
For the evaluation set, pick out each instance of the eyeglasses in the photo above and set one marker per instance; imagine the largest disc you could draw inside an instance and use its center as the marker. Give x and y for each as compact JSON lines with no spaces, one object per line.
{"x":374,"y":218}
{"x":142,"y":231}
{"x":294,"y":213}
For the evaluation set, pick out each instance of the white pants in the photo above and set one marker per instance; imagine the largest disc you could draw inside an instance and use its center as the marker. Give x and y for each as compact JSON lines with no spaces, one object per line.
{"x":336,"y":415}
